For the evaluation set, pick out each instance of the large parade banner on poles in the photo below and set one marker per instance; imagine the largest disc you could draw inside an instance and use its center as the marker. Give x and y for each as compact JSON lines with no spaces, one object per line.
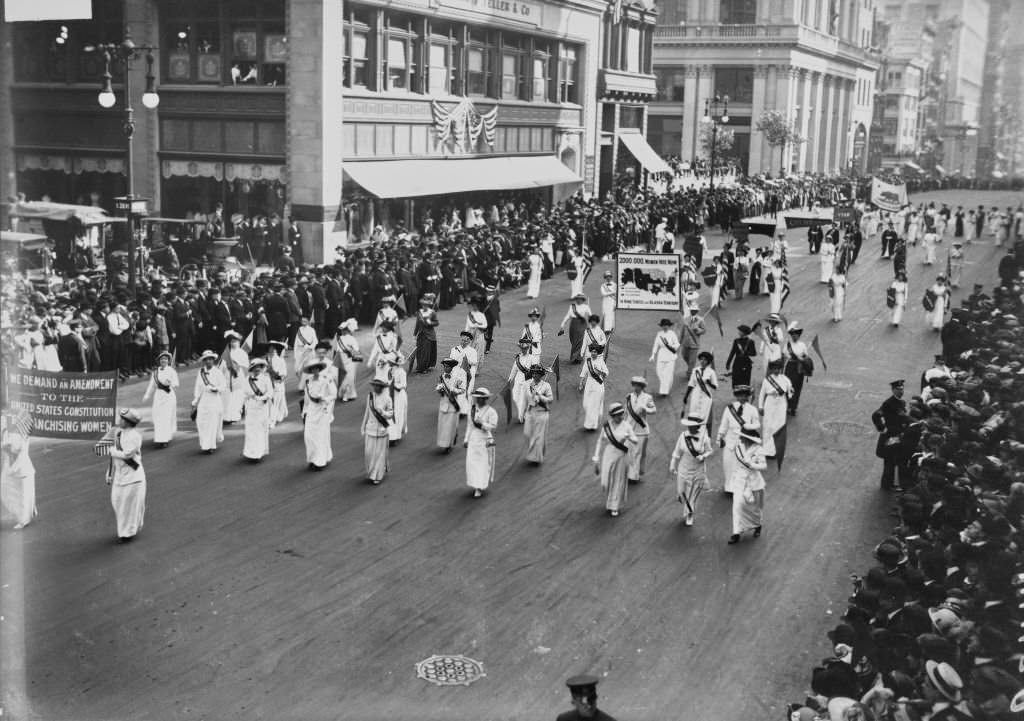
{"x":648,"y":281}
{"x":65,"y":405}
{"x":888,"y":196}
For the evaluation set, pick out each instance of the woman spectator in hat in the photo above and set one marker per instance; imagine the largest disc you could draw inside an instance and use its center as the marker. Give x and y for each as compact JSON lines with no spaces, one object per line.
{"x":593,"y":376}
{"x":700,"y":391}
{"x":319,"y":393}
{"x":688,"y":463}
{"x":739,"y":364}
{"x":234,"y":362}
{"x":208,"y":402}
{"x":163,"y":389}
{"x":748,"y":499}
{"x":610,"y":457}
{"x":479,"y":442}
{"x":259,"y":392}
{"x":126,"y":477}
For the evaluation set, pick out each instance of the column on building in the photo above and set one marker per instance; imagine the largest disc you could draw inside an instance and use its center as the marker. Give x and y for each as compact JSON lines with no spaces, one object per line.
{"x":831,"y":113}
{"x":845,"y":137}
{"x":691,"y":108}
{"x":693,"y":10}
{"x":314,"y":115}
{"x":815,"y":137}
{"x":785,"y":92}
{"x":757,"y":107}
{"x":8,"y":175}
{"x":804,"y":124}
{"x":705,"y":90}
{"x":770,"y":93}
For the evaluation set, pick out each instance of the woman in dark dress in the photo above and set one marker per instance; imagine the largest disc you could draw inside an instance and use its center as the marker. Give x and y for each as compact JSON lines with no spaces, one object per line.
{"x":740,"y":361}
{"x":755,"y":274}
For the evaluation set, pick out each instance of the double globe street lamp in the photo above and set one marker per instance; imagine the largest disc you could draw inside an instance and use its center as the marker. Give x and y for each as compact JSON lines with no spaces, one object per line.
{"x":712,"y":106}
{"x":125,"y":53}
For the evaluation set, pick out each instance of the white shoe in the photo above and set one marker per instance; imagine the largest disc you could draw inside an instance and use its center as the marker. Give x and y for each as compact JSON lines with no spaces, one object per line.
{"x":689,"y":520}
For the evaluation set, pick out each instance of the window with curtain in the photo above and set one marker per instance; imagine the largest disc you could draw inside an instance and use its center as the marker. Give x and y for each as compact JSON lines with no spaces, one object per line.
{"x":512,"y":70}
{"x":441,"y":68}
{"x":737,"y":12}
{"x":398,"y":63}
{"x":541,"y":63}
{"x":400,"y":44}
{"x":355,"y":44}
{"x":567,"y":74}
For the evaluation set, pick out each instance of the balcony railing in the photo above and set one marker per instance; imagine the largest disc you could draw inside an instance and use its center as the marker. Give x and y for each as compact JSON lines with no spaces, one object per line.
{"x":711,"y":32}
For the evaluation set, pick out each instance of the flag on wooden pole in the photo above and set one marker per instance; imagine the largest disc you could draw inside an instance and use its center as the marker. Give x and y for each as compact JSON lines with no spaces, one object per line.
{"x":506,"y":397}
{"x":780,"y":446}
{"x":817,"y":349}
{"x":718,"y":319}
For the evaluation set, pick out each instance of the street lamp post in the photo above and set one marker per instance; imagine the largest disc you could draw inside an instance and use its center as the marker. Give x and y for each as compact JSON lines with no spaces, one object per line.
{"x":712,"y":115}
{"x":125,"y":53}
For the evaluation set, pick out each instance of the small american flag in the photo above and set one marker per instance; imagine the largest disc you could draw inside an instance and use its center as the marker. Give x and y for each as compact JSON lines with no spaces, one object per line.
{"x":20,"y":421}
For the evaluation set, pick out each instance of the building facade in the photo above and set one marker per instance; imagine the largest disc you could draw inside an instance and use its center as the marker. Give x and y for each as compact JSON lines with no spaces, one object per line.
{"x":810,"y":59}
{"x":339,"y":118}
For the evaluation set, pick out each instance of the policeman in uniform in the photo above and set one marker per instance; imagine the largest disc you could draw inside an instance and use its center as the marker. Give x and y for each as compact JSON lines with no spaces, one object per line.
{"x":891,"y":420}
{"x":583,"y":690}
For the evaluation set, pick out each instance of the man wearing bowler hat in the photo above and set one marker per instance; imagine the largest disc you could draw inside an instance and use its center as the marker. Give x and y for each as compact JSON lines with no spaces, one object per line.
{"x":583,"y":690}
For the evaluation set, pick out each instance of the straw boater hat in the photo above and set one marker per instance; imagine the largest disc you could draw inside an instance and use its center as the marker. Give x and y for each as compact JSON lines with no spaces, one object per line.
{"x":388,"y":299}
{"x":257,"y":363}
{"x":481,"y":393}
{"x":945,"y":679}
{"x":607,"y":274}
{"x":280,"y":345}
{"x":228,"y":335}
{"x":314,"y":366}
{"x":208,"y":354}
{"x":449,"y":362}
{"x":534,"y":312}
{"x":579,"y":296}
{"x":131,"y":415}
{"x":774,"y":318}
{"x":794,"y":327}
{"x":638,"y":381}
{"x":741,"y":390}
{"x":616,"y":409}
{"x":163,"y":354}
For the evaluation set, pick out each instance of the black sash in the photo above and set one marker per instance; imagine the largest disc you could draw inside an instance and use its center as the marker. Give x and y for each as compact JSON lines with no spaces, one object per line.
{"x":775,"y":385}
{"x":612,"y":439}
{"x":664,"y":342}
{"x":377,"y":414}
{"x":255,"y":387}
{"x":595,"y":374}
{"x":206,"y":378}
{"x":593,"y":338}
{"x":689,"y":446}
{"x":632,"y":412}
{"x":741,"y":457}
{"x":522,"y":369}
{"x":576,"y":313}
{"x":164,"y":387}
{"x":736,"y":414}
{"x":312,"y":397}
{"x":701,"y":382}
{"x":381,"y":344}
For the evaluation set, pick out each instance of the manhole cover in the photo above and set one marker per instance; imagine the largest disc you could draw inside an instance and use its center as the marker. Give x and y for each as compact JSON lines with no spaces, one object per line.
{"x":848,"y":428}
{"x":450,"y":670}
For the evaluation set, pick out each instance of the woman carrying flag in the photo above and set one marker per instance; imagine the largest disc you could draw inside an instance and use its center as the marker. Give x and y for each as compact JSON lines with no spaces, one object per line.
{"x":234,"y":362}
{"x":773,"y":404}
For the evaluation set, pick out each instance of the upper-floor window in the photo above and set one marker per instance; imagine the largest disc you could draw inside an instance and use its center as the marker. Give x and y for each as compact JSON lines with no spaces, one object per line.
{"x":634,"y":50}
{"x":737,"y":12}
{"x":671,"y":84}
{"x":56,"y":51}
{"x":355,"y":46}
{"x":567,"y":74}
{"x":442,"y":76}
{"x":512,"y":68}
{"x":479,"y":64}
{"x":240,"y":42}
{"x":401,"y":43}
{"x":737,"y":83}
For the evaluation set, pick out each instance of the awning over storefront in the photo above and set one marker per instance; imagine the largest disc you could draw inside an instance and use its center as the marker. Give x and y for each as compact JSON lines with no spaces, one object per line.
{"x":644,"y":153}
{"x":440,"y":176}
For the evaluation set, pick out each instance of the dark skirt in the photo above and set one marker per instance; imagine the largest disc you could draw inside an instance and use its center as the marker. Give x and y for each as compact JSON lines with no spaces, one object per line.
{"x":577,"y":332}
{"x":426,"y":354}
{"x":741,"y":373}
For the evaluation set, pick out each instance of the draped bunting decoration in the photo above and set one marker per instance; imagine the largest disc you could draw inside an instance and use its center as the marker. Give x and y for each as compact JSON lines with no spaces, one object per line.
{"x":28,"y":161}
{"x":192,"y":169}
{"x":255,"y":171}
{"x":97,"y":165}
{"x":463,"y":125}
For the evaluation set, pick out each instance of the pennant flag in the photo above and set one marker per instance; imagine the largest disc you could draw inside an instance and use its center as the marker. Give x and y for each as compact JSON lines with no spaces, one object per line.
{"x":248,"y":342}
{"x":543,"y":315}
{"x":780,"y":446}
{"x":556,"y":369}
{"x":412,"y":360}
{"x":718,"y":319}
{"x":817,"y":349}
{"x":506,"y":397}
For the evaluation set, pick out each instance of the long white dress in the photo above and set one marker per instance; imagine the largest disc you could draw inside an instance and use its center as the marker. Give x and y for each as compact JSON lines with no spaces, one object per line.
{"x":127,"y":483}
{"x":480,"y":447}
{"x":593,"y":374}
{"x":608,"y":293}
{"x":206,"y":397}
{"x":18,"y":477}
{"x":937,"y":316}
{"x":519,"y":378}
{"x":576,"y":284}
{"x":319,"y":394}
{"x":613,"y":460}
{"x":451,"y":387}
{"x":928,"y":244}
{"x":729,"y":431}
{"x":234,"y":398}
{"x":774,"y":405}
{"x":748,"y":498}
{"x":689,"y":463}
{"x":826,"y":261}
{"x":535,"y":426}
{"x":838,"y":296}
{"x":375,"y":435}
{"x":638,"y":407}
{"x":536,"y":265}
{"x":279,"y":403}
{"x":165,"y":403}
{"x":400,"y":402}
{"x":303,"y":348}
{"x":259,"y":393}
{"x":897,"y":310}
{"x":476,"y":323}
{"x":347,"y":352}
{"x":703,"y":384}
{"x":384,"y":345}
{"x":663,"y":355}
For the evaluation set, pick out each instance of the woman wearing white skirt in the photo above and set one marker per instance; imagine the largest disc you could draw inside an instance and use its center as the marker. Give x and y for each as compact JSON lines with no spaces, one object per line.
{"x":374,"y":429}
{"x":233,"y":365}
{"x":519,"y":376}
{"x":593,"y":375}
{"x":278,"y":371}
{"x":536,"y":267}
{"x":207,"y":406}
{"x":163,"y":389}
{"x":826,"y":261}
{"x":689,"y":465}
{"x":348,"y":356}
{"x":479,"y":443}
{"x":611,"y":457}
{"x":773,"y":404}
{"x":304,"y":346}
{"x":748,"y":501}
{"x":127,"y":478}
{"x":539,"y":398}
{"x":700,"y":390}
{"x":399,"y":398}
{"x":17,"y":473}
{"x":451,"y":387}
{"x":259,"y":392}
{"x":319,"y":393}
{"x":940,"y":293}
{"x":897,"y":297}
{"x":837,"y":292}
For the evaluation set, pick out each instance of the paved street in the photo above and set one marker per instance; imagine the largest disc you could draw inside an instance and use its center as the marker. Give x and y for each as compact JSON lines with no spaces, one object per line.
{"x":267,"y":591}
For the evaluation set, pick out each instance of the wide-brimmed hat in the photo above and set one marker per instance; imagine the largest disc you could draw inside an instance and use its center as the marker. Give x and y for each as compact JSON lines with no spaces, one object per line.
{"x":131,"y":415}
{"x":388,"y":299}
{"x":744,"y":329}
{"x":751,"y":433}
{"x":616,"y":409}
{"x":706,"y":355}
{"x":774,"y":318}
{"x":607,"y":274}
{"x":228,"y":335}
{"x":257,"y":363}
{"x":664,"y":322}
{"x":638,"y":381}
{"x":741,"y":390}
{"x":280,"y":345}
{"x":351,"y":325}
{"x":945,"y":679}
{"x":794,"y":327}
{"x":163,"y":354}
{"x":595,"y":347}
{"x":208,"y":354}
{"x":481,"y":393}
{"x":579,"y":296}
{"x":314,"y":366}
{"x":533,"y":312}
{"x":449,"y":361}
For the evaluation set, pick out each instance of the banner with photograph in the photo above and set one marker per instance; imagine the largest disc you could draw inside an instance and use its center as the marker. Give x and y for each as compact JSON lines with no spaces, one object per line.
{"x":648,"y":281}
{"x":888,"y":196}
{"x":65,"y":405}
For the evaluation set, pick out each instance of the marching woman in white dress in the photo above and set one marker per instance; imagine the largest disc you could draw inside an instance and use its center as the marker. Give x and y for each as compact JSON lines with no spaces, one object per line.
{"x":827,"y":260}
{"x":163,"y":389}
{"x":639,"y":404}
{"x":348,"y":355}
{"x":773,"y":403}
{"x":539,"y":398}
{"x":536,"y":266}
{"x":17,"y":473}
{"x":896,"y":298}
{"x":534,"y":330}
{"x":940,"y":294}
{"x":399,"y":382}
{"x":519,"y":376}
{"x":479,"y":443}
{"x":207,"y":404}
{"x":233,"y":365}
{"x":127,"y":478}
{"x":451,"y":387}
{"x":277,"y":370}
{"x":718,"y":289}
{"x":376,"y":419}
{"x":259,"y":392}
{"x":748,"y":499}
{"x":663,"y":355}
{"x":689,"y":465}
{"x":593,"y":375}
{"x":476,"y":326}
{"x":837,"y":292}
{"x":319,"y":392}
{"x":304,"y":346}
{"x":609,"y":290}
{"x":700,"y":391}
{"x":611,"y":457}
{"x":738,"y":414}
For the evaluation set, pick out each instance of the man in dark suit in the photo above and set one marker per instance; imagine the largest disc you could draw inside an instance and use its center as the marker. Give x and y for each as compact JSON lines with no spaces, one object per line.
{"x":181,"y":326}
{"x":71,"y":349}
{"x":492,"y":311}
{"x":332,"y":297}
{"x":891,"y":422}
{"x":318,"y":306}
{"x":220,"y":317}
{"x":294,"y":308}
{"x":814,"y":237}
{"x":583,"y":690}
{"x":276,"y":308}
